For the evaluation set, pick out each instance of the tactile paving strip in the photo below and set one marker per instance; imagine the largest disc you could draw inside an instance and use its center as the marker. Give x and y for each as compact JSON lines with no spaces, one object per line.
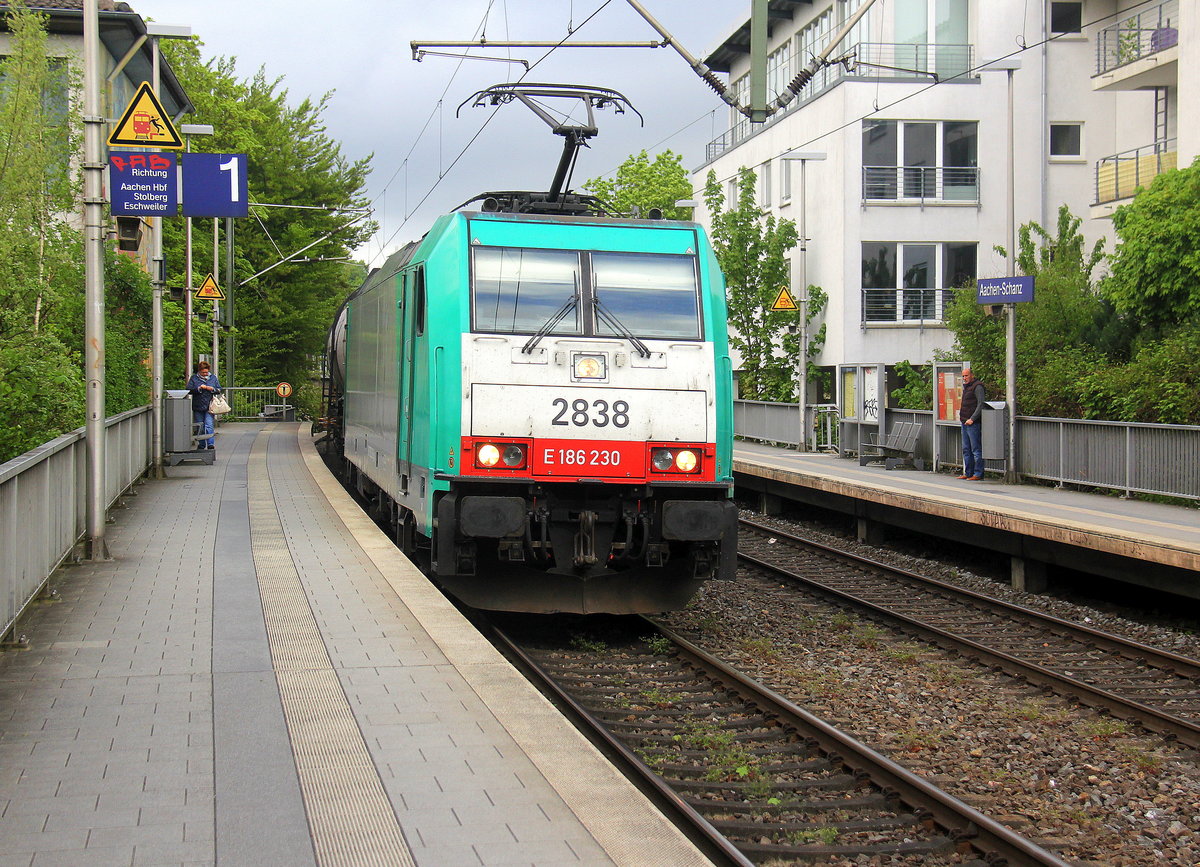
{"x":349,"y":814}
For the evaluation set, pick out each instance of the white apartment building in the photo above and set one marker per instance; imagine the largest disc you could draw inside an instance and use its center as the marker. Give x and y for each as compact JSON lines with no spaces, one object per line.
{"x":912,"y":197}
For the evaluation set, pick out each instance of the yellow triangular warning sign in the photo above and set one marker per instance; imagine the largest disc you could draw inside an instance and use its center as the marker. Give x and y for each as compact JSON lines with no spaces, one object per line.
{"x":209,"y":290}
{"x":784,"y":301}
{"x":145,"y":124}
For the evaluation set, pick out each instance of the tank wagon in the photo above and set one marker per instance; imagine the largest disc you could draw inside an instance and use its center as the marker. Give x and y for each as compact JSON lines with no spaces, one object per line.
{"x":536,"y":397}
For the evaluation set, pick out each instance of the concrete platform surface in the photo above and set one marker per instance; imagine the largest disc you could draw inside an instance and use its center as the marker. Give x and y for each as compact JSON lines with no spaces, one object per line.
{"x":1146,"y":531}
{"x":259,"y":678}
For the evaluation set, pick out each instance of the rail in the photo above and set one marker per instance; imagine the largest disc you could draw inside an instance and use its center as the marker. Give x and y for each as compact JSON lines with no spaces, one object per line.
{"x":1136,"y":36}
{"x":1119,"y":176}
{"x":1129,"y":457}
{"x":920,"y":185}
{"x":255,"y":403}
{"x":43,"y":503}
{"x":869,"y":61}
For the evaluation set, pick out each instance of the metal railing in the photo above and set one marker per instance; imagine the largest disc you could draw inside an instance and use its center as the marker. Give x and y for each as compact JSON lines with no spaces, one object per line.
{"x":1120,"y":175}
{"x":249,"y":403}
{"x":1132,"y":458}
{"x":920,"y":184}
{"x":1136,"y":36}
{"x":780,"y":423}
{"x":907,"y":306}
{"x":870,"y":61}
{"x":43,"y":503}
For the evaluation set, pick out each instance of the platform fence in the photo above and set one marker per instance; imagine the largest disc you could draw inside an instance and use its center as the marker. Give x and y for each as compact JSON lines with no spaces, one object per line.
{"x":1132,"y":458}
{"x":43,"y":503}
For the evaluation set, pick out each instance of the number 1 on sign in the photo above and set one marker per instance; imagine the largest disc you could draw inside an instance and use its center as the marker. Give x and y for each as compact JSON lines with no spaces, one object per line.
{"x":232,"y":168}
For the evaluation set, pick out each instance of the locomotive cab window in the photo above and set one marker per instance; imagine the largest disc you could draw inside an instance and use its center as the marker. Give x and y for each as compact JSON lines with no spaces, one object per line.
{"x":652,"y":295}
{"x":527,"y":291}
{"x":520,"y":290}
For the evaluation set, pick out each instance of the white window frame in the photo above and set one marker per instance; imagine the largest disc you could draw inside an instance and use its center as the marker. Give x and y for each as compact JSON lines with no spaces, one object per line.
{"x":1064,"y":158}
{"x":764,"y":185}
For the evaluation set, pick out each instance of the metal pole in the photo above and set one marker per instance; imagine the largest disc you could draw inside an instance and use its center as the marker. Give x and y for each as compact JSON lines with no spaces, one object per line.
{"x":1010,"y":359}
{"x":93,"y":216}
{"x":216,"y":311}
{"x":188,"y":361}
{"x":229,"y":289}
{"x":803,"y":306}
{"x":157,"y":276}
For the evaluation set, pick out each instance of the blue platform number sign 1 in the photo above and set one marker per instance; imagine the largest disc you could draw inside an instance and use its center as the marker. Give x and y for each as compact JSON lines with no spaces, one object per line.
{"x":214,"y":185}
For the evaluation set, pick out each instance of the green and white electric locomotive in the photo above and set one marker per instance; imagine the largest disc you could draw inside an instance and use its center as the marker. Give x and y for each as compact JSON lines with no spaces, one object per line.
{"x":537,"y":397}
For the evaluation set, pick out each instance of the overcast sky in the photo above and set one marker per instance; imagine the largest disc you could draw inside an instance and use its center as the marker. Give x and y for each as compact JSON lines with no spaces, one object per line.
{"x":383,"y":99}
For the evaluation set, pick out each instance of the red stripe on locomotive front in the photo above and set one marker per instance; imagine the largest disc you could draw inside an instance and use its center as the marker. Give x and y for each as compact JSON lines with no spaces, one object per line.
{"x":562,"y":459}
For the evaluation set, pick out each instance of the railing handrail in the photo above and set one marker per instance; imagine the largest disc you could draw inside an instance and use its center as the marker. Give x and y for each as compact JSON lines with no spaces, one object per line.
{"x":1161,"y":146}
{"x":1120,"y":44}
{"x":829,"y":76}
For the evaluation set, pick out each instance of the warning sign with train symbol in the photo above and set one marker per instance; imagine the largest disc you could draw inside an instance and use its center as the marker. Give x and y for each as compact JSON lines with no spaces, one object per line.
{"x":784,"y":301}
{"x":209,"y":290}
{"x":145,"y":123}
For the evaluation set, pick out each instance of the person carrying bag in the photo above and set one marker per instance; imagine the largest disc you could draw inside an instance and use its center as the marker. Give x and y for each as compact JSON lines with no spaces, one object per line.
{"x":204,"y":387}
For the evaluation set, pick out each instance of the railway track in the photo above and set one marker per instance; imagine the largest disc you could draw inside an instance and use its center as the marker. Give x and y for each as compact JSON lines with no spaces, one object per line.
{"x":756,"y":778}
{"x":1151,"y":688}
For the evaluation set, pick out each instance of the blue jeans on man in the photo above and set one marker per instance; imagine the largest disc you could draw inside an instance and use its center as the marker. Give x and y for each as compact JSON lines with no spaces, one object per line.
{"x":205,"y":420}
{"x":972,"y":446}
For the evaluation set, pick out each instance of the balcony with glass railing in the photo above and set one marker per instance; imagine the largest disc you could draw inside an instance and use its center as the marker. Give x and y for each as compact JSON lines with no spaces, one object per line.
{"x":1151,"y":32}
{"x":920,"y":185}
{"x":1119,"y":176}
{"x":866,"y":61}
{"x":905,"y":306}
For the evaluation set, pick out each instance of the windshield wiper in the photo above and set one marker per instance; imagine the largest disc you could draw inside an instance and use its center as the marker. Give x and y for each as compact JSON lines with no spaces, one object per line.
{"x":532,"y":342}
{"x":616,"y":325}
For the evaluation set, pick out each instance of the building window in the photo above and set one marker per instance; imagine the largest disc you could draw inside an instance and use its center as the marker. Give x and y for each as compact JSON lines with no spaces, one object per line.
{"x":785,"y":181}
{"x":913,"y":282}
{"x":920,"y":161}
{"x":1066,"y":140}
{"x":764,"y":185}
{"x":1066,"y":17}
{"x":779,"y":69}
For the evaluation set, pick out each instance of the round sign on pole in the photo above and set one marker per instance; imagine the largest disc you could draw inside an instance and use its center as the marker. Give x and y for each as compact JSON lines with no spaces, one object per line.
{"x":284,"y":389}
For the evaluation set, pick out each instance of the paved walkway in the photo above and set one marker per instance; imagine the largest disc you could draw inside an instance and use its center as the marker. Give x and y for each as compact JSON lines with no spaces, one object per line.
{"x":259,"y":678}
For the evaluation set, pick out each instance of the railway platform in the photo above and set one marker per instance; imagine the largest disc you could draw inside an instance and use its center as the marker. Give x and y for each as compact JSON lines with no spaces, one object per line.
{"x":1148,"y":544}
{"x":258,"y":678}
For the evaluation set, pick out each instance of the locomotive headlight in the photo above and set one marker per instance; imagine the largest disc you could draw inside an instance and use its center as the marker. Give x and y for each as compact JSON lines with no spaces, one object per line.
{"x":686,"y":461}
{"x":487,"y":456}
{"x":589,"y":366}
{"x":663,"y":459}
{"x":514,"y":456}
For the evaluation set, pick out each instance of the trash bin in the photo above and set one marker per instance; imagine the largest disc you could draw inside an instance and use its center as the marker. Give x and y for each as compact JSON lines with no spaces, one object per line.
{"x":177,"y":421}
{"x":995,"y":430}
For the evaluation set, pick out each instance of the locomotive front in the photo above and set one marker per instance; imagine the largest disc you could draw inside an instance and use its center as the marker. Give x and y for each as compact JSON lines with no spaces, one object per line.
{"x":595,"y":435}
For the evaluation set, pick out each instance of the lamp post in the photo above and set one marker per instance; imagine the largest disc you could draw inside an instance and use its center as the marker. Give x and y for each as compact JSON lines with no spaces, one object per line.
{"x":189,"y":130}
{"x":157,"y":271}
{"x":1010,"y":65}
{"x":803,"y":157}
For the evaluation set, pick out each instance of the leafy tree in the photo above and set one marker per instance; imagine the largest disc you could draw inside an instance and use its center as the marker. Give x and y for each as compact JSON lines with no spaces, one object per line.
{"x":41,"y":387}
{"x":916,"y":389}
{"x":1066,"y":327}
{"x":751,"y":249}
{"x":1156,"y":268}
{"x":283,"y":315}
{"x":642,"y":184}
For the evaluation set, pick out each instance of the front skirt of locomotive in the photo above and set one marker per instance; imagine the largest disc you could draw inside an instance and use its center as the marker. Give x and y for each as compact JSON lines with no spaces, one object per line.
{"x":583,"y":548}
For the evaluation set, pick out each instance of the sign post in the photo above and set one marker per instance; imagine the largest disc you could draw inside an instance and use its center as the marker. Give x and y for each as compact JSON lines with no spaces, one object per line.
{"x":1008,"y":291}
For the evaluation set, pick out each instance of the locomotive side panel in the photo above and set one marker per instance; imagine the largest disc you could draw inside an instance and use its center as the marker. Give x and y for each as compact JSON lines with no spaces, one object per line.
{"x":371,"y":369}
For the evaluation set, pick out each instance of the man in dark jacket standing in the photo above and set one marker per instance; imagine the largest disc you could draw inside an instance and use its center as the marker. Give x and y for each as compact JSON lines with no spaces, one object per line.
{"x":969,"y":410}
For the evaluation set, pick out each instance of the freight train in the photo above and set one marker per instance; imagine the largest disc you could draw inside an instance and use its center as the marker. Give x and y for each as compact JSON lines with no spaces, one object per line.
{"x":536,"y":397}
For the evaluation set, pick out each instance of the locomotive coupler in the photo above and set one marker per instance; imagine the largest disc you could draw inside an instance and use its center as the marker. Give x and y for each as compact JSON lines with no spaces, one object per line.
{"x":585,"y":541}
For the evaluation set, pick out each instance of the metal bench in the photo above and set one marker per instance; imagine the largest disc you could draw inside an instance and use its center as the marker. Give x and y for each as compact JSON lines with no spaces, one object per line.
{"x":898,"y":449}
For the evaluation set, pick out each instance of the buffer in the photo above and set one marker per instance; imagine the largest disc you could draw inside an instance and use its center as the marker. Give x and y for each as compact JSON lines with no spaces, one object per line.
{"x":145,"y":123}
